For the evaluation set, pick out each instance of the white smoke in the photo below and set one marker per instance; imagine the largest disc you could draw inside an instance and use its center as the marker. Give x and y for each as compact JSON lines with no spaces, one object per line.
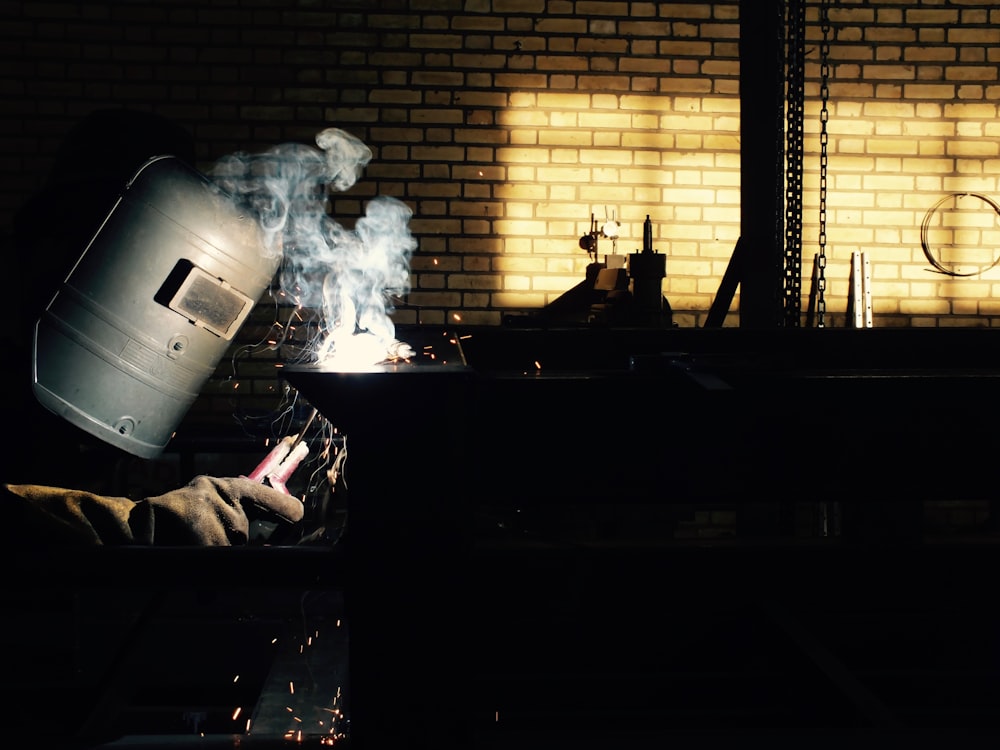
{"x":349,"y":275}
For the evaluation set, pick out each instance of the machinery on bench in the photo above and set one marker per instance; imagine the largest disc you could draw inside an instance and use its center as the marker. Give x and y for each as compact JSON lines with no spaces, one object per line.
{"x":618,"y":291}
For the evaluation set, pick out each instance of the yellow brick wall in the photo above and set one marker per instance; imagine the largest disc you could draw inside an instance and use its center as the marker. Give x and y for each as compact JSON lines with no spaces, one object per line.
{"x":629,"y":109}
{"x":554,"y":112}
{"x":507,"y":124}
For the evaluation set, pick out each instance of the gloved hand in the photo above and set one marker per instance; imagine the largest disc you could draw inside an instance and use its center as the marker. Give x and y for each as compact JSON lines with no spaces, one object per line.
{"x":207,"y":511}
{"x":211,"y":511}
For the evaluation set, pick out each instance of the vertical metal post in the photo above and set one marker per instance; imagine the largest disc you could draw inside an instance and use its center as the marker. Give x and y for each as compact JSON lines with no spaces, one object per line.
{"x":762,"y":161}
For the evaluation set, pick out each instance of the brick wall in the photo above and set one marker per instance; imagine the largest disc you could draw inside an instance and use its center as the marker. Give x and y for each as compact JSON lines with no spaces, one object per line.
{"x":507,"y":124}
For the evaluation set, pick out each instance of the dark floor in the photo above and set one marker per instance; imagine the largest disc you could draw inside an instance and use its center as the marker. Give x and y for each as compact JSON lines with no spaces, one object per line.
{"x":570,"y":561}
{"x":523,"y":643}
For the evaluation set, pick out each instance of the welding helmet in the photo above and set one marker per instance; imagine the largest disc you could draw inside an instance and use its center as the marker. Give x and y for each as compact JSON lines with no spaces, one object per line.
{"x":149,"y":308}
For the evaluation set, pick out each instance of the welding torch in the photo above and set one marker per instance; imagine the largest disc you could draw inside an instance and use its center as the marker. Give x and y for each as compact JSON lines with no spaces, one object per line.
{"x":284,"y":458}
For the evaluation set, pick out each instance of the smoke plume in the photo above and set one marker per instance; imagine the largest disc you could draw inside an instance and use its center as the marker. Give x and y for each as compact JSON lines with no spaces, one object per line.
{"x":349,"y":275}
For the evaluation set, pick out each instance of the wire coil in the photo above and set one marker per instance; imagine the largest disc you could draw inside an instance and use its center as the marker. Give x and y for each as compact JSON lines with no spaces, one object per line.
{"x":925,"y":227}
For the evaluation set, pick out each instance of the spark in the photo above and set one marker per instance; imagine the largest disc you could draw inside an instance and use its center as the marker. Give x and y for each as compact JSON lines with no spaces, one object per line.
{"x":291,"y":688}
{"x":236,"y":678}
{"x":236,"y":713}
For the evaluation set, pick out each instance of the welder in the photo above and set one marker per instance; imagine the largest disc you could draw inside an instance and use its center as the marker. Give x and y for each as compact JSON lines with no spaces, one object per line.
{"x":56,"y":476}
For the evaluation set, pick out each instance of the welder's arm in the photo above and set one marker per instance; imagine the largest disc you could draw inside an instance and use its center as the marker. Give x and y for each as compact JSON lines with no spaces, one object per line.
{"x":207,"y":511}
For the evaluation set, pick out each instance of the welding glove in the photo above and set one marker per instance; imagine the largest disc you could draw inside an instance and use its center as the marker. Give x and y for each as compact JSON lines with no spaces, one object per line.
{"x":207,"y":511}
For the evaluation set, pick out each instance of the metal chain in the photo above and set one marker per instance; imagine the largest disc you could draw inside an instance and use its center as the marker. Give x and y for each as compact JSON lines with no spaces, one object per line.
{"x":824,"y":139}
{"x":795,"y":98}
{"x":777,"y":259}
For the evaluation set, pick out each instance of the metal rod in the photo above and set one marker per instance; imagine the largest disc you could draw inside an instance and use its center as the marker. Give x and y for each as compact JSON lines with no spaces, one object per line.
{"x":461,"y":351}
{"x":302,"y":432}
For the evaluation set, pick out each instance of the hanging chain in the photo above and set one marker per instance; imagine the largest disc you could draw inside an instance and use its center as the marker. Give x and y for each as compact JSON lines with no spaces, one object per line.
{"x":795,"y":98}
{"x":777,"y":256}
{"x":824,"y":139}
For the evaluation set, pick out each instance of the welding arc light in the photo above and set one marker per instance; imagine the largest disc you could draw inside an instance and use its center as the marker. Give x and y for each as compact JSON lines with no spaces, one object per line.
{"x":925,"y":228}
